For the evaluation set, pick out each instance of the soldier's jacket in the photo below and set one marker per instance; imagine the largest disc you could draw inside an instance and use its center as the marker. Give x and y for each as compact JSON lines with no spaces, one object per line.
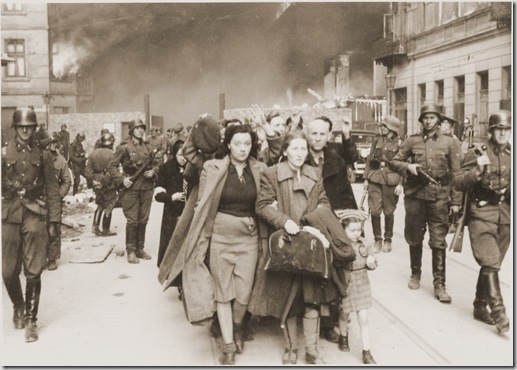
{"x":97,"y":166}
{"x":62,"y":173}
{"x":490,"y":194}
{"x":439,"y":156}
{"x":377,"y":169}
{"x":131,"y":156}
{"x":77,"y":154}
{"x":28,"y":181}
{"x":160,"y":143}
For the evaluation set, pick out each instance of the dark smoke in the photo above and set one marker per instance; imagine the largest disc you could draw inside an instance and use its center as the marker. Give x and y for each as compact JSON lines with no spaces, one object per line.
{"x":184,"y":55}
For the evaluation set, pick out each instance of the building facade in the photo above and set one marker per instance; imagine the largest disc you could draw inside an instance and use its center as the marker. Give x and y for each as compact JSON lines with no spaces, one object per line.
{"x":454,"y":54}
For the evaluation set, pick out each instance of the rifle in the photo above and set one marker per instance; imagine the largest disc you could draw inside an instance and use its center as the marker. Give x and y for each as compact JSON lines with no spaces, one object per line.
{"x":122,"y":188}
{"x":457,"y":239}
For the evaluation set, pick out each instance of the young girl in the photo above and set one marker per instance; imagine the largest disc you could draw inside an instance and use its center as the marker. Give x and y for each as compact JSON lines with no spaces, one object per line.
{"x":359,"y":295}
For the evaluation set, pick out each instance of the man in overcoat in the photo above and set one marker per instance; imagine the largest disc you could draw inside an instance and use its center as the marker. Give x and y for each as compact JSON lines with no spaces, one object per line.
{"x":77,"y":160}
{"x":30,"y":196}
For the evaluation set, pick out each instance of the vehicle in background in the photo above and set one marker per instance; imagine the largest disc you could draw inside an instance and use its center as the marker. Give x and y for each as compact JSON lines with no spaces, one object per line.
{"x":363,"y":141}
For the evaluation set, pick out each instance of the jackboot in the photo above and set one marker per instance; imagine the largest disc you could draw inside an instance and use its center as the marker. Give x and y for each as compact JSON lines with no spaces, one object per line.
{"x":495,"y":300}
{"x":229,"y":350}
{"x":415,"y":255}
{"x":14,"y":290}
{"x":311,"y":333}
{"x":106,"y":223}
{"x":377,"y":233}
{"x":96,"y":221}
{"x":140,"y":241}
{"x":481,"y":312}
{"x":388,"y":232}
{"x":439,"y":275}
{"x":32,"y":294}
{"x":131,"y":243}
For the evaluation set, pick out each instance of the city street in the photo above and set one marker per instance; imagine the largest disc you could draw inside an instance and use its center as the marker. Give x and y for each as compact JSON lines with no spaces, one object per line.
{"x":113,"y":313}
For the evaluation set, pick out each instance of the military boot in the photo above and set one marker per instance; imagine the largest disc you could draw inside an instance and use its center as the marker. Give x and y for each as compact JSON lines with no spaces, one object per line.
{"x":140,"y":241}
{"x":32,"y":294}
{"x":481,"y":312}
{"x":495,"y":300}
{"x":96,"y":222}
{"x":439,"y":276}
{"x":131,"y":243}
{"x":106,"y":223}
{"x":388,"y":232}
{"x":377,"y":233}
{"x":415,"y":255}
{"x":14,"y":290}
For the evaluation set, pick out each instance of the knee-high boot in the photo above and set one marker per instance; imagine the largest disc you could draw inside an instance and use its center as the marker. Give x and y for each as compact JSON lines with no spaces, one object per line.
{"x":131,"y":243}
{"x":480,"y":303}
{"x":495,"y":300}
{"x":106,"y":223}
{"x":389,"y":220}
{"x":377,"y":233}
{"x":311,"y":330}
{"x":140,"y":241}
{"x":14,"y":290}
{"x":415,"y":256}
{"x":96,"y":221}
{"x":32,"y":294}
{"x":439,"y":275}
{"x":290,"y":341}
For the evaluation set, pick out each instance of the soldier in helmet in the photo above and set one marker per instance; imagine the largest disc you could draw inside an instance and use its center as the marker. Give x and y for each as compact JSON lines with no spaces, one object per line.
{"x":383,"y":184}
{"x":427,"y":198}
{"x":487,"y":179}
{"x":158,"y":142}
{"x":65,"y":140}
{"x":98,"y":142}
{"x":77,"y":160}
{"x":30,"y":196}
{"x":136,"y":201}
{"x":96,"y":171}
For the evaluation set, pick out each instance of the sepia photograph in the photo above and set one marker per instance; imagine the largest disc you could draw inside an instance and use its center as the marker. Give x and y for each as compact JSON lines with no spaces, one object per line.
{"x":257,"y":184}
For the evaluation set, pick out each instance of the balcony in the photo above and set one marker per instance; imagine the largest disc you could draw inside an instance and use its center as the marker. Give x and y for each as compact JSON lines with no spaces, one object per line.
{"x":389,"y":52}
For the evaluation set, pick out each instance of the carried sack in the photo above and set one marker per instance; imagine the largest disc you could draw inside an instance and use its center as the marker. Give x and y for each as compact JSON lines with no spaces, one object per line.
{"x":302,"y":253}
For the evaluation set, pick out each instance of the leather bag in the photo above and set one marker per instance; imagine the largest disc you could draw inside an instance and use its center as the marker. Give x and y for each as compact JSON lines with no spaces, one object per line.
{"x":302,"y":253}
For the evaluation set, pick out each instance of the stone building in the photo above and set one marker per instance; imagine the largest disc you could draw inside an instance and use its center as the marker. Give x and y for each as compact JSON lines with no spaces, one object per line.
{"x":455,"y":54}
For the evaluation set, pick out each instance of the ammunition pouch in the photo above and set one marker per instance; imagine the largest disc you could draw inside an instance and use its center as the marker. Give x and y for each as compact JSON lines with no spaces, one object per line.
{"x":375,"y":164}
{"x":490,"y":196}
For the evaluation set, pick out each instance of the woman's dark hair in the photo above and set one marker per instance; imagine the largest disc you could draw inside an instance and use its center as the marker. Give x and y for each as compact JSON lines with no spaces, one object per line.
{"x":325,"y":119}
{"x":350,"y":220}
{"x":175,"y":147}
{"x":290,"y":122}
{"x":290,"y":136}
{"x":230,"y":132}
{"x":272,"y":115}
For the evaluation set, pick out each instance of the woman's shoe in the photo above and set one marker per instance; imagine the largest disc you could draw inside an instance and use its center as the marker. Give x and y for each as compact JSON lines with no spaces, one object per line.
{"x":368,"y":358}
{"x":237,"y":337}
{"x":343,"y":343}
{"x":313,"y":359}
{"x":228,"y":354}
{"x":290,"y":356}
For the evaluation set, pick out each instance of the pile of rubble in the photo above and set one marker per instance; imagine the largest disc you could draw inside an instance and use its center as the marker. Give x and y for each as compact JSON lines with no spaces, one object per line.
{"x":77,"y":213}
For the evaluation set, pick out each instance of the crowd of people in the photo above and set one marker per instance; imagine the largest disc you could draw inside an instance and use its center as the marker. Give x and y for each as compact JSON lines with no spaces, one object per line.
{"x":228,"y":186}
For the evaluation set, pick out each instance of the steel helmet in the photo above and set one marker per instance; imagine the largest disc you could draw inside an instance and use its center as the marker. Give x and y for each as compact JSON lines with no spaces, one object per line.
{"x":500,"y":119}
{"x":107,"y":139}
{"x":430,"y":108}
{"x":134,"y":124}
{"x":80,"y":137}
{"x":24,"y":117}
{"x":392,"y":123}
{"x":451,"y":120}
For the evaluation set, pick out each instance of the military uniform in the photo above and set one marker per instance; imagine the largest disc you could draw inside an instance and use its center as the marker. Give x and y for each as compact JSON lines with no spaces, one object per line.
{"x":65,"y":142}
{"x":96,"y":170}
{"x":136,"y":202}
{"x":77,"y":162}
{"x":489,"y":224}
{"x":160,"y":143}
{"x":30,"y":195}
{"x":382,"y":182}
{"x":427,"y":204}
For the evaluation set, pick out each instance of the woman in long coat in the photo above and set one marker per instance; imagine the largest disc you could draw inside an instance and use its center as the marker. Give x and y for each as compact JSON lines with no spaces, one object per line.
{"x":288,"y":190}
{"x":170,"y":177}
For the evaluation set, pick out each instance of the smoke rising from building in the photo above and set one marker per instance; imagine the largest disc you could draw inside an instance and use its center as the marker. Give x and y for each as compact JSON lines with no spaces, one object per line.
{"x":184,"y":55}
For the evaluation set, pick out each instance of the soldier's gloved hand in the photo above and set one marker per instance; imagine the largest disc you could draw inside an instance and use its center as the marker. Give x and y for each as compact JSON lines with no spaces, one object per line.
{"x":412,"y":168}
{"x":161,"y":197}
{"x":52,"y":230}
{"x":398,"y":190}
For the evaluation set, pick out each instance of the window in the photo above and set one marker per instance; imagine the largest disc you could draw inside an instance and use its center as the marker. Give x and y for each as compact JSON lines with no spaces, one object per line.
{"x":422,"y":95}
{"x":401,"y":108}
{"x":15,"y":49}
{"x":438,"y":93}
{"x":506,"y":89}
{"x":482,"y":104}
{"x":12,"y":8}
{"x":459,"y":104}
